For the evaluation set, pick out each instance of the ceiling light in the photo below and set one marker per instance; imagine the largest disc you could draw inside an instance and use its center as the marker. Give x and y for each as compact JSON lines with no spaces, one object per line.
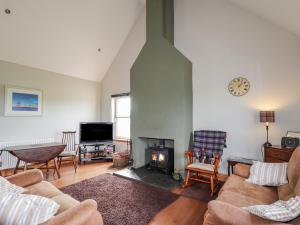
{"x":7,"y":11}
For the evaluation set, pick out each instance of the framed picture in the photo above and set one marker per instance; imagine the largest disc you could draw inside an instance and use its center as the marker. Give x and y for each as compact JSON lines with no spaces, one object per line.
{"x":294,"y":134}
{"x":23,"y":102}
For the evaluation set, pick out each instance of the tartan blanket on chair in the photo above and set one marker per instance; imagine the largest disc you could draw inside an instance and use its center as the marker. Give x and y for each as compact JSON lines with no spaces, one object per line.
{"x":210,"y":141}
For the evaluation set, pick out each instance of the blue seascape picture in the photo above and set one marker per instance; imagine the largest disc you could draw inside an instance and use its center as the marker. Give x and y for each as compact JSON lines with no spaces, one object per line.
{"x":25,"y":102}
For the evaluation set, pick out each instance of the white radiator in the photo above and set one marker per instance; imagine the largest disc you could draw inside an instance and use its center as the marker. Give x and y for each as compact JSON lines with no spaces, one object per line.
{"x":8,"y":160}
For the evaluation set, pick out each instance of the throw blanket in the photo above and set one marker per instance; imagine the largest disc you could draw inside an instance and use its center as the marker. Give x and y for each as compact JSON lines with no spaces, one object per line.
{"x":209,"y":142}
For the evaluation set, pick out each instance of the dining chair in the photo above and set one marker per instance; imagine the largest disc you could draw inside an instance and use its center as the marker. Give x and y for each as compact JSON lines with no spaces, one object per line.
{"x":71,"y":151}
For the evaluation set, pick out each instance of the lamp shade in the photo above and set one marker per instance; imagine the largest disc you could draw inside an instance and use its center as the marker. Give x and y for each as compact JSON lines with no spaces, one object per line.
{"x":267,"y":116}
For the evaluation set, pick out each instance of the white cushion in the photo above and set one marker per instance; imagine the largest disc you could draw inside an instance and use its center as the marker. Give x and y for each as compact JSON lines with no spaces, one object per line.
{"x":269,"y":174}
{"x":201,"y":166}
{"x":68,"y":153}
{"x":282,"y":211}
{"x":6,"y":186}
{"x":21,"y":209}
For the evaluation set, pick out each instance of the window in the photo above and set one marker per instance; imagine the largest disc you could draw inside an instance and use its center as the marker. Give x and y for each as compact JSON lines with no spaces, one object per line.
{"x":121,"y":116}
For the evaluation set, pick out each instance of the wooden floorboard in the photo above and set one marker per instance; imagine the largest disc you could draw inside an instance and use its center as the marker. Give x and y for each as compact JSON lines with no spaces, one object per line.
{"x":184,"y":211}
{"x":89,"y":170}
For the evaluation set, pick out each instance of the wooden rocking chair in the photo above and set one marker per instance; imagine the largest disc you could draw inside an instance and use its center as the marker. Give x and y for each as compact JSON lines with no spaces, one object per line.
{"x":208,"y":148}
{"x":202,"y":172}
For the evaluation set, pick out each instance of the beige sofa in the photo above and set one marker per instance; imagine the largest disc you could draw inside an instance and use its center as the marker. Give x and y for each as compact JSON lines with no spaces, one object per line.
{"x":71,"y":212}
{"x":237,"y":193}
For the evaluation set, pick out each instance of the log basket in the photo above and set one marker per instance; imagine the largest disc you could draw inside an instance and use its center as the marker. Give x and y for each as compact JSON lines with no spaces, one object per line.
{"x":121,"y":159}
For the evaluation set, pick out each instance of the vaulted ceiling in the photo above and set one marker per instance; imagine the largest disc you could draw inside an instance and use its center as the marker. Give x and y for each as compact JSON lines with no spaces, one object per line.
{"x":285,"y":13}
{"x":64,"y":36}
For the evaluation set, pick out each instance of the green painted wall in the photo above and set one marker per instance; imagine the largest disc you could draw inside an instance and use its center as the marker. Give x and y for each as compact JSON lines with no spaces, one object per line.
{"x":161,"y":87}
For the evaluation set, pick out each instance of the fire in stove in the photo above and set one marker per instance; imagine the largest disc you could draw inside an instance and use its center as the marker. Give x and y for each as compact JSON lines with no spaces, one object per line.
{"x":154,"y":157}
{"x":161,"y":157}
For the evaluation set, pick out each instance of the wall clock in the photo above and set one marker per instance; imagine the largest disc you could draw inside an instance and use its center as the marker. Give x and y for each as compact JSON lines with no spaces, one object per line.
{"x":239,"y":86}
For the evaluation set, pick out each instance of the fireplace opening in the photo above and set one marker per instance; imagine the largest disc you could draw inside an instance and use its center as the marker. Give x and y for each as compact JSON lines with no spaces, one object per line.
{"x":160,"y":154}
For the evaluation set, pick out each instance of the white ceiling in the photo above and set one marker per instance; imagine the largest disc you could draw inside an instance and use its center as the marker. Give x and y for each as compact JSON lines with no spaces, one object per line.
{"x":63,"y":36}
{"x":285,"y":13}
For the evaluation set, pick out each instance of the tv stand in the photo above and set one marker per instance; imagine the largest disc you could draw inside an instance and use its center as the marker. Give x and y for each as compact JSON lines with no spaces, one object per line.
{"x":96,"y":152}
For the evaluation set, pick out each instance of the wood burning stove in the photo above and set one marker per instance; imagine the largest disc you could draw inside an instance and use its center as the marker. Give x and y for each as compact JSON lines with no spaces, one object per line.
{"x":159,"y":154}
{"x":162,"y":158}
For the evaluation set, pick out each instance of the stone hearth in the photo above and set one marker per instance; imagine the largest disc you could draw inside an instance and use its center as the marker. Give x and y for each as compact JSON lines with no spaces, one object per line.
{"x":152,"y":177}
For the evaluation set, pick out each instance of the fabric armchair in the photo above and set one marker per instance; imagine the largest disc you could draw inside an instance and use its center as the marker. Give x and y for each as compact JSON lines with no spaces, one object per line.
{"x":71,"y":212}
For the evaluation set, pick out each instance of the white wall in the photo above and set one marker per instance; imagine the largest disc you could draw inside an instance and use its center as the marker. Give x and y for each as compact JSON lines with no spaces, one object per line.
{"x":224,"y":41}
{"x":117,"y":78}
{"x":67,"y":101}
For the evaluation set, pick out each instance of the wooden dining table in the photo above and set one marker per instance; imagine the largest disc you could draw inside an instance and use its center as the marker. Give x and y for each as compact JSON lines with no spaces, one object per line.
{"x":37,"y":153}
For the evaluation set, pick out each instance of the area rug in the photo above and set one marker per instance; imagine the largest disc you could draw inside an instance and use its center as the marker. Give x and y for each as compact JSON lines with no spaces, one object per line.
{"x":122,"y":201}
{"x":201,"y":192}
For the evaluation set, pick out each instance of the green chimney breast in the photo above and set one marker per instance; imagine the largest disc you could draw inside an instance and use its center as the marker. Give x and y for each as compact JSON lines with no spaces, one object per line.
{"x":161,"y":87}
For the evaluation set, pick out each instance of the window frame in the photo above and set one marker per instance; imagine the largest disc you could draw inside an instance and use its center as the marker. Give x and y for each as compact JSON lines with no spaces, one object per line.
{"x":114,"y":99}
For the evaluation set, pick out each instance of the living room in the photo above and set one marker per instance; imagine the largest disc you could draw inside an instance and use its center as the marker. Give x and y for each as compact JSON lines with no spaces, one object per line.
{"x":156,"y":79}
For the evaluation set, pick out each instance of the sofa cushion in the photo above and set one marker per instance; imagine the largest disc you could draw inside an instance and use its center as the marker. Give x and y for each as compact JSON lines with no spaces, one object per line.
{"x":268,"y":174}
{"x":242,"y":170}
{"x":44,"y":189}
{"x":6,"y":186}
{"x":285,"y":192}
{"x":237,"y":199}
{"x":22,"y":209}
{"x":282,"y":211}
{"x":65,"y":201}
{"x":266,"y":195}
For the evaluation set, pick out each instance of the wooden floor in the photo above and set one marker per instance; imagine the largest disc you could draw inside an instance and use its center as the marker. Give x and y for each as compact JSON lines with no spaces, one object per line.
{"x":89,"y":170}
{"x":184,"y":211}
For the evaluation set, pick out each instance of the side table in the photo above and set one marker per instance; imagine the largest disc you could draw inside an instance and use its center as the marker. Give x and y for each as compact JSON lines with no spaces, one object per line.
{"x":232,"y":161}
{"x":277,"y":154}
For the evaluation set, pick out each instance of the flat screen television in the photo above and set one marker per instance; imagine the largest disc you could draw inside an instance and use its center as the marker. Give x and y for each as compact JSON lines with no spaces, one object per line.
{"x":95,"y":133}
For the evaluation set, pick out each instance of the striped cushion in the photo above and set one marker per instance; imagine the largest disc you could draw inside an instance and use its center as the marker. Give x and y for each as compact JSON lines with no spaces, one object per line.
{"x":269,"y":174}
{"x":21,"y":209}
{"x":282,"y":211}
{"x":6,"y":186}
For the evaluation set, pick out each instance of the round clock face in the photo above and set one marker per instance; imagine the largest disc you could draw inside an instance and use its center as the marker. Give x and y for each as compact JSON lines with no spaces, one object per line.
{"x":239,"y":86}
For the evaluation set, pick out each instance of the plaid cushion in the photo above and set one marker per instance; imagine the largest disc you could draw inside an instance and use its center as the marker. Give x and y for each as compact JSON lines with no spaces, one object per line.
{"x":210,"y":141}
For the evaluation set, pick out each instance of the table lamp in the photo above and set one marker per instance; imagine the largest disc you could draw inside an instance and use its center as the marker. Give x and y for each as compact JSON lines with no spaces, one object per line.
{"x":267,"y":117}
